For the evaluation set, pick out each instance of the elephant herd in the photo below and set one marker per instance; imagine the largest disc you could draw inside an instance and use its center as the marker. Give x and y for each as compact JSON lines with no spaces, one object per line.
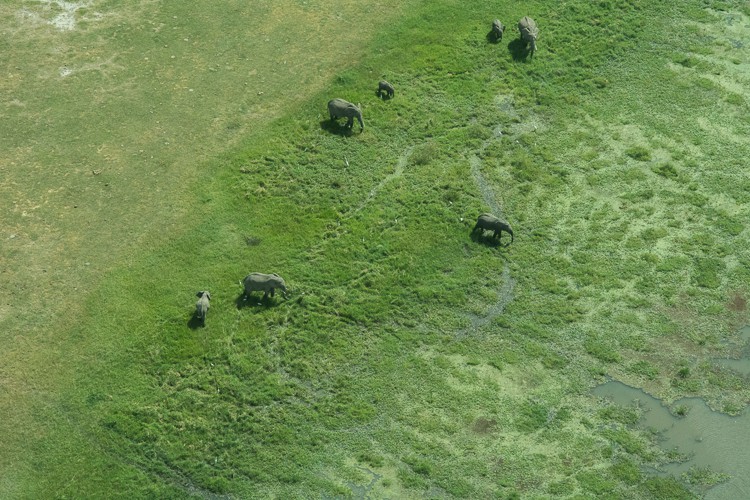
{"x":339,"y":108}
{"x":268,"y":283}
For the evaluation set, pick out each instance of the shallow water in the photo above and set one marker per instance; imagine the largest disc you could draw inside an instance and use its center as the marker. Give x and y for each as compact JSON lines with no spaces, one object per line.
{"x":712,"y":439}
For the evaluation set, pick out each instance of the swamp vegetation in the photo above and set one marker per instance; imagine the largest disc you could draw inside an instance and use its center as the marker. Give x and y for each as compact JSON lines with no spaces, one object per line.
{"x":170,"y":148}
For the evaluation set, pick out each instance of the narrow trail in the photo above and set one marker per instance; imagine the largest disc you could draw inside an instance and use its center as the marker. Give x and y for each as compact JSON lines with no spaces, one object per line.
{"x":397,"y":171}
{"x":505,"y":293}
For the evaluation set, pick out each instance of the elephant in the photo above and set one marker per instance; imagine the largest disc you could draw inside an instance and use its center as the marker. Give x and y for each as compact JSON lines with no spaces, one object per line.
{"x":496,"y":33}
{"x":529,"y":32}
{"x":201,"y":307}
{"x":386,"y":87}
{"x":339,"y":108}
{"x":266,"y":283}
{"x":491,"y":223}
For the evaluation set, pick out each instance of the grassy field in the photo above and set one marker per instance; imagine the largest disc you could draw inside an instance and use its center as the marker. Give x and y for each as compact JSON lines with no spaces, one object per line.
{"x":157,"y":150}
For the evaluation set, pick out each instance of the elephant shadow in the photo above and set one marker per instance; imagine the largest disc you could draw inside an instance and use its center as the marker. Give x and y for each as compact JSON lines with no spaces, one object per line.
{"x":488,"y":241}
{"x":254,"y":301}
{"x":518,"y":49}
{"x":382,"y":95}
{"x":195,"y":322}
{"x":334,"y":127}
{"x":493,"y":38}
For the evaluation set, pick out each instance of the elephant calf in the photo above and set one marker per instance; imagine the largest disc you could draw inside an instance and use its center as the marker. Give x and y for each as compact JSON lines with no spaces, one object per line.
{"x":496,"y":33}
{"x":491,"y":223}
{"x":387,"y":88}
{"x":201,"y":307}
{"x":339,"y":108}
{"x":266,"y":283}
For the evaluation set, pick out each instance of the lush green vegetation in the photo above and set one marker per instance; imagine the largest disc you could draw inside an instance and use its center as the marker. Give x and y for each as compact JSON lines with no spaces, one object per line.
{"x":412,"y":360}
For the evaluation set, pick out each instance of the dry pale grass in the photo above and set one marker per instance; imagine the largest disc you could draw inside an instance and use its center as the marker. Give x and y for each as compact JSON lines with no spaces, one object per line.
{"x":110,"y":109}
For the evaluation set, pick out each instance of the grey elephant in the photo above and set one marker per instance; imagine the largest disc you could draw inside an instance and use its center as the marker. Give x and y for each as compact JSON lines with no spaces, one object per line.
{"x":529,"y":32}
{"x":496,"y":33}
{"x":339,"y":108}
{"x":201,"y":307}
{"x":387,"y":88}
{"x":491,"y":223}
{"x":266,"y":283}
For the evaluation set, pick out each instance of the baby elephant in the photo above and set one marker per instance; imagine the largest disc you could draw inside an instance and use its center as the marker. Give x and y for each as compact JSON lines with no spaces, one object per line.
{"x":387,"y":88}
{"x":496,"y":33}
{"x":491,"y":223}
{"x":266,"y":283}
{"x":201,"y":307}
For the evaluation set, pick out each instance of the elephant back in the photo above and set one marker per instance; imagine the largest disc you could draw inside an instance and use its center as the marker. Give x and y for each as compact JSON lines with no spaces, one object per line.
{"x":340,"y":106}
{"x":261,"y":280}
{"x":528,"y":28}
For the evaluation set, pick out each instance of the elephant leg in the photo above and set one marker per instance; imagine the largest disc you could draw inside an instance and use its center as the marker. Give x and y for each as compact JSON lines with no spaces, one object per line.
{"x":273,"y":292}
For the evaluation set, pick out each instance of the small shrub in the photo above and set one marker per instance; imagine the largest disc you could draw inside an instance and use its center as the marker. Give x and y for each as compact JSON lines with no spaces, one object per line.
{"x":594,"y":482}
{"x":622,"y":414}
{"x":645,"y":369}
{"x":600,"y":350}
{"x":371,"y":459}
{"x":533,"y":417}
{"x":561,"y":488}
{"x":628,"y":441}
{"x":423,"y":154}
{"x":666,"y":488}
{"x":707,"y":272}
{"x":681,"y":410}
{"x":638,"y":153}
{"x":666,"y":170}
{"x":703,"y":476}
{"x":735,"y":99}
{"x":626,"y":471}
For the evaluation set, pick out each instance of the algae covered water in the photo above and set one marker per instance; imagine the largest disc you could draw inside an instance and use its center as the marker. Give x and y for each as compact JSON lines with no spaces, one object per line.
{"x":712,"y":440}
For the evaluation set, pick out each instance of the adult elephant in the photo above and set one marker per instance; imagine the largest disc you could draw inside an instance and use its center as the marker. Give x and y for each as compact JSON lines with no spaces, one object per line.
{"x":266,"y":283}
{"x":339,"y":108}
{"x":529,"y":32}
{"x":491,"y":223}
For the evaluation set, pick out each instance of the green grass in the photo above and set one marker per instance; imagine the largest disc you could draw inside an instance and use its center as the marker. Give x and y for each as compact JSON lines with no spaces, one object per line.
{"x":623,"y":263}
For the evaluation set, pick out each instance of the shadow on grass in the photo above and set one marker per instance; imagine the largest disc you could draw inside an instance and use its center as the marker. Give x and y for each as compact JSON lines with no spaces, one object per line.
{"x":195,"y":322}
{"x":382,"y":95}
{"x":254,"y":301}
{"x":519,"y":50}
{"x":493,"y":38}
{"x":488,"y":241}
{"x":334,"y":128}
